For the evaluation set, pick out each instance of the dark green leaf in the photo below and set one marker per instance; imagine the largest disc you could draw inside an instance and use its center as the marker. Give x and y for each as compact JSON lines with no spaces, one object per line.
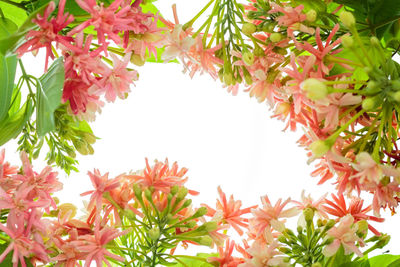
{"x":364,"y":263}
{"x":49,"y":92}
{"x":8,"y":66}
{"x":12,"y":125}
{"x":198,"y":261}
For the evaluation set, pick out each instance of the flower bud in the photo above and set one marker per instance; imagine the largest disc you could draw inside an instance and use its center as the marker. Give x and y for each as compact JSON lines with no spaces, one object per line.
{"x":249,"y":28}
{"x":308,"y":214}
{"x":190,"y":224}
{"x":186,"y":203}
{"x":205,"y":241}
{"x":330,"y":223}
{"x":275,"y":37}
{"x":248,"y":58}
{"x":385,"y":180}
{"x":148,"y":194}
{"x":174,"y":189}
{"x":89,"y":138}
{"x":137,"y":60}
{"x":375,"y":42}
{"x":311,"y":15}
{"x":395,"y":84}
{"x":373,"y":88}
{"x":319,"y":148}
{"x":371,"y":103}
{"x":383,"y":241}
{"x":284,"y":249}
{"x":210,"y":226}
{"x":228,"y":78}
{"x":362,"y":228}
{"x":258,"y":51}
{"x":154,"y":233}
{"x":315,"y":89}
{"x":316,"y":264}
{"x":129,"y":214}
{"x":66,"y":208}
{"x":347,"y":18}
{"x":282,"y":239}
{"x":396,"y":96}
{"x":347,"y":41}
{"x":138,"y":191}
{"x":181,"y":193}
{"x":200,"y":212}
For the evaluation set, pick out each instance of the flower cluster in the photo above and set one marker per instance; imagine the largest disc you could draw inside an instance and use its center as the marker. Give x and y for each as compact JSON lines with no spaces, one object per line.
{"x":311,"y":66}
{"x":318,"y":240}
{"x":121,"y":29}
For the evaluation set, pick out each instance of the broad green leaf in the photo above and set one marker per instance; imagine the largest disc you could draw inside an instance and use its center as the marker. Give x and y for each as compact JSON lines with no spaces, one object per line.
{"x":49,"y":92}
{"x":8,"y":66}
{"x":15,"y":101}
{"x":364,"y":263}
{"x":17,"y":15}
{"x":7,"y":27}
{"x":13,"y":124}
{"x":384,"y":260}
{"x":395,"y":263}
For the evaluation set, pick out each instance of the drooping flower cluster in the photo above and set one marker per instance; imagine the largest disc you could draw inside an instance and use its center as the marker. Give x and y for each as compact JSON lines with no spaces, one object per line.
{"x":124,"y":33}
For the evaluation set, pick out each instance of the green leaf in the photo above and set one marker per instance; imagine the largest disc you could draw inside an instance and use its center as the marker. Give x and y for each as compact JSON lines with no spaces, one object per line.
{"x":384,"y":260}
{"x":198,"y":261}
{"x":15,"y":14}
{"x":13,"y":124}
{"x":8,"y":66}
{"x":364,"y":263}
{"x":7,"y":27}
{"x":49,"y":93}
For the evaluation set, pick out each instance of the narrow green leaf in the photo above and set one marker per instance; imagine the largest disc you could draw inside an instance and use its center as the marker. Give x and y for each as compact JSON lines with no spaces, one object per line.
{"x":13,"y":124}
{"x":8,"y":66}
{"x":49,"y":92}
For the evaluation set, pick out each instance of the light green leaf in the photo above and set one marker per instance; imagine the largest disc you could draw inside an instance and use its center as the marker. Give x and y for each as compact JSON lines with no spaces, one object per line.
{"x":13,"y":124}
{"x":8,"y":66}
{"x":384,"y":260}
{"x":49,"y":92}
{"x":17,"y":15}
{"x":7,"y":27}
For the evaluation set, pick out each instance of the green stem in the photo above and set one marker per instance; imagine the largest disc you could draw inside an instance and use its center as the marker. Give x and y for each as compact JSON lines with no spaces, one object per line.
{"x":334,"y":136}
{"x":27,"y":79}
{"x":375,"y":153}
{"x":359,"y":41}
{"x":190,"y":22}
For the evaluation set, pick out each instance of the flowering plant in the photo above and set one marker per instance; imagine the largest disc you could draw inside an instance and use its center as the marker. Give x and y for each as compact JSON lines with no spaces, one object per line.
{"x":313,"y":62}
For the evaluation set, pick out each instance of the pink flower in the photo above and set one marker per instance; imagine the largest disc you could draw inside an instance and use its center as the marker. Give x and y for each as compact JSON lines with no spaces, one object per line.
{"x":269,"y":215}
{"x":231,"y":212}
{"x":161,"y":177}
{"x":339,"y":208}
{"x":20,"y":244}
{"x":178,"y":44}
{"x":106,"y":20}
{"x":116,"y":82}
{"x":371,"y":172}
{"x":344,"y":234}
{"x":81,"y":102}
{"x":101,"y":185}
{"x":48,"y":32}
{"x":225,"y":258}
{"x":95,"y":246}
{"x":5,"y":168}
{"x":264,"y":254}
{"x":20,"y":204}
{"x":43,"y":184}
{"x":316,"y":205}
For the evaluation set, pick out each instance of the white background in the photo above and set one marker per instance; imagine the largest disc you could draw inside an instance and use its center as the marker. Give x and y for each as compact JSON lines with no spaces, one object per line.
{"x":222,"y":139}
